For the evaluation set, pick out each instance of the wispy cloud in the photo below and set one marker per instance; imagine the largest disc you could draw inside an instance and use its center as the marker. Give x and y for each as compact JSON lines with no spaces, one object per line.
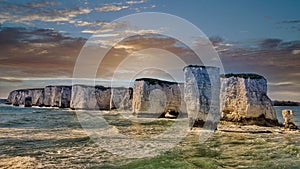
{"x":135,"y":2}
{"x":270,"y":43}
{"x":2,"y":79}
{"x":110,"y":8}
{"x":38,"y":12}
{"x":291,"y":21}
{"x":41,"y":4}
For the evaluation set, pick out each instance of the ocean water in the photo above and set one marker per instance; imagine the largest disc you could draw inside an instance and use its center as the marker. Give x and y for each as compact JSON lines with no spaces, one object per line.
{"x":53,"y":138}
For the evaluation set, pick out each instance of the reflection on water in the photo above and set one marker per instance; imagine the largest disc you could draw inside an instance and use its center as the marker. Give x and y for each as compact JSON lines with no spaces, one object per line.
{"x":53,"y":138}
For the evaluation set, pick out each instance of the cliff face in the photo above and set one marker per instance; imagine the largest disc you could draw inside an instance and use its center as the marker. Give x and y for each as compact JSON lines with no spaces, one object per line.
{"x":83,"y":97}
{"x":241,"y":98}
{"x":201,"y":94}
{"x":121,"y":98}
{"x":245,"y":100}
{"x":17,"y":97}
{"x":50,"y":96}
{"x":156,"y":97}
{"x":100,"y":98}
{"x":57,"y":96}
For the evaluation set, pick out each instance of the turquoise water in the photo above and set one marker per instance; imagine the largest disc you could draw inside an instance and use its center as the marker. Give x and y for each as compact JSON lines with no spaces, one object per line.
{"x":53,"y":138}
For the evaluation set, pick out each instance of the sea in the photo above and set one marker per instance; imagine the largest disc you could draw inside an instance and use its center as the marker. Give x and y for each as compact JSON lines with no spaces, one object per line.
{"x":54,"y":138}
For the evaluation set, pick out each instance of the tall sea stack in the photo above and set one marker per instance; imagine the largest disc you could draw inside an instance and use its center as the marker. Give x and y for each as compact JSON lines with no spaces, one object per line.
{"x":201,"y":94}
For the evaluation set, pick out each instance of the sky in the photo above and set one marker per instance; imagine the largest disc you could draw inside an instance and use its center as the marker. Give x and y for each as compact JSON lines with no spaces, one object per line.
{"x":40,"y":41}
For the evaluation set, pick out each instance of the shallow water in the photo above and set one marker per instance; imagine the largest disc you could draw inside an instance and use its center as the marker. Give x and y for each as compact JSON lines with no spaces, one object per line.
{"x":53,"y":138}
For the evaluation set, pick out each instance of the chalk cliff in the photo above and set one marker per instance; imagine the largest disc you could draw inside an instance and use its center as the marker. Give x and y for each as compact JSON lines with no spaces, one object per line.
{"x":121,"y":98}
{"x":50,"y":96}
{"x":244,"y":99}
{"x":204,"y":96}
{"x":57,"y":96}
{"x":17,"y":97}
{"x":155,"y":97}
{"x":100,"y":98}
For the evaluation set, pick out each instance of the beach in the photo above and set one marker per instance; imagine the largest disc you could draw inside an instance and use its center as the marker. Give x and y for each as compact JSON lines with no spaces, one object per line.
{"x":54,"y":138}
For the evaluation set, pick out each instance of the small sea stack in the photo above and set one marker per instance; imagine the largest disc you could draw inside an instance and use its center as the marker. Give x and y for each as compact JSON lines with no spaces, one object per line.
{"x":288,"y":116}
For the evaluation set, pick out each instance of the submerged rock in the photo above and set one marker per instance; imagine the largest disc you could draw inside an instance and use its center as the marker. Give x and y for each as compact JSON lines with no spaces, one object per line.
{"x":244,"y":100}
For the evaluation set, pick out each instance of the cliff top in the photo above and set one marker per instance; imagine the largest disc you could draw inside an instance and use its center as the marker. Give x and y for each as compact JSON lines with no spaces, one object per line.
{"x":155,"y":81}
{"x":243,"y":75}
{"x":197,"y":66}
{"x":27,"y":89}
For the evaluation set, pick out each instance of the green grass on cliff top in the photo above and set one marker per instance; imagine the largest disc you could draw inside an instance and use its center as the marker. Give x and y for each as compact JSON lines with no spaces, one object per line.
{"x":243,"y":75}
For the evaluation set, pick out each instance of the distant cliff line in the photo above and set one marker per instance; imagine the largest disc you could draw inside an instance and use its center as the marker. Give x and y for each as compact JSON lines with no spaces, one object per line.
{"x":241,"y":98}
{"x":285,"y":103}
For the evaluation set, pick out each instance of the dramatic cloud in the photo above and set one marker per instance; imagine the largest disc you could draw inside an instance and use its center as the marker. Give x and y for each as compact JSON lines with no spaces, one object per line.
{"x":37,"y":53}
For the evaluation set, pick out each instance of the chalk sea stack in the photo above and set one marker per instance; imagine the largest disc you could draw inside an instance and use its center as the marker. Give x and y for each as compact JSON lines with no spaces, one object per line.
{"x":201,"y":94}
{"x":154,"y":98}
{"x":244,"y":100}
{"x":288,"y":116}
